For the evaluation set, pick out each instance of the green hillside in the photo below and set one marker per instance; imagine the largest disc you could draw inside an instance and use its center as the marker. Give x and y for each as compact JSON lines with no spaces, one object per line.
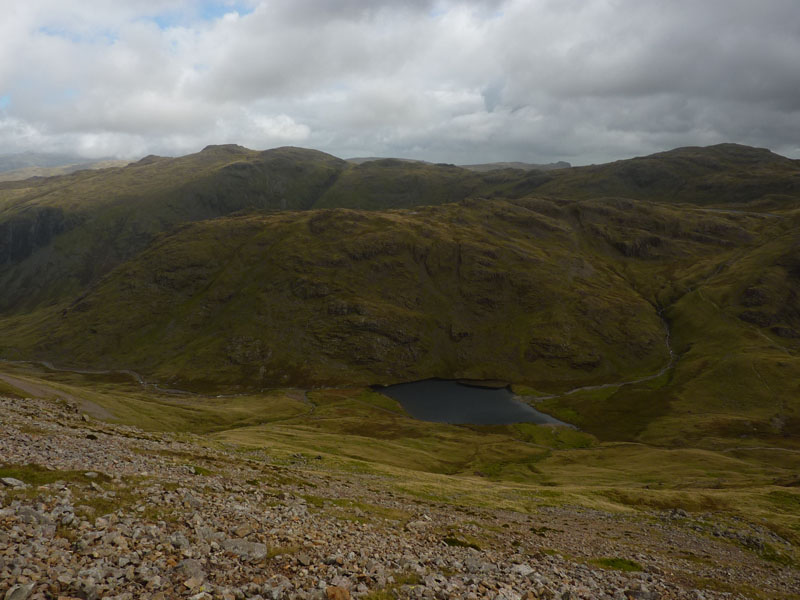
{"x":390,"y":183}
{"x":726,"y":174}
{"x":479,"y":290}
{"x":236,"y":270}
{"x":59,"y":235}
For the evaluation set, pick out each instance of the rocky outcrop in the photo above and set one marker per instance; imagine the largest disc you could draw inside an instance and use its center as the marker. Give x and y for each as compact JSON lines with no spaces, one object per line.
{"x":22,"y":234}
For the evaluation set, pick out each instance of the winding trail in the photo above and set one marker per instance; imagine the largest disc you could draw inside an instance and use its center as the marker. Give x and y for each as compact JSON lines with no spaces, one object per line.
{"x":39,"y":390}
{"x":604,"y":386}
{"x":137,"y":378}
{"x":760,"y":449}
{"x":97,"y":410}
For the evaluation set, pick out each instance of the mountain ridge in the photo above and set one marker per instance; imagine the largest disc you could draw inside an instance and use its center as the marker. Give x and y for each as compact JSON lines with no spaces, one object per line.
{"x":240,"y":269}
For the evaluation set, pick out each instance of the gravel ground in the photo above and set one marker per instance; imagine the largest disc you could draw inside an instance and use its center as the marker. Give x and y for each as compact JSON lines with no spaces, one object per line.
{"x":128,"y":514}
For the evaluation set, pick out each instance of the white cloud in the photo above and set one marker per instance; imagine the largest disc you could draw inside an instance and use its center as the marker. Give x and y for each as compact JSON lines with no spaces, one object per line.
{"x":538,"y":80}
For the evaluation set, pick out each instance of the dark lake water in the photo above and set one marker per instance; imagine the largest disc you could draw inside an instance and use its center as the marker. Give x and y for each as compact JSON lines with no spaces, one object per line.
{"x":444,"y":401}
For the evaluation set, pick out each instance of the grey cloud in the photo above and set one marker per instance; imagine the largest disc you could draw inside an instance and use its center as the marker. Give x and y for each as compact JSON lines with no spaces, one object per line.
{"x":537,"y":80}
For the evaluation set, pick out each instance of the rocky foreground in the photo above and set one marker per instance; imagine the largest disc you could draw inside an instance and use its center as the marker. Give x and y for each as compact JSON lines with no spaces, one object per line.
{"x":114,"y":512}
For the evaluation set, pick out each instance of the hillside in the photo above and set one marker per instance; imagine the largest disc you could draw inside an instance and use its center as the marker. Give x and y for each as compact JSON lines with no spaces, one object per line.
{"x":24,"y":160}
{"x":190,"y":350}
{"x":726,"y":174}
{"x":372,"y":298}
{"x":233,"y":269}
{"x":93,"y":509}
{"x":15,"y":167}
{"x":498,"y":166}
{"x":61,"y":234}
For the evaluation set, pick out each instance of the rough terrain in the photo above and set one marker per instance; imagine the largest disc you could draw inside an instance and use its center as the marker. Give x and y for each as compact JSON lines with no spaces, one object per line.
{"x":107,"y":511}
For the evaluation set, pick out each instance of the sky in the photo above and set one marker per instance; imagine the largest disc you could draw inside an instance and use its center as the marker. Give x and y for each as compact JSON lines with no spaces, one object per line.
{"x":585,"y":81}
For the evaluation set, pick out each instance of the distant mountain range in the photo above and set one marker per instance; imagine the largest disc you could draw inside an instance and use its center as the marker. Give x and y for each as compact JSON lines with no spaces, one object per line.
{"x":35,"y":164}
{"x":482,"y":168}
{"x":237,"y":269}
{"x":496,"y":166}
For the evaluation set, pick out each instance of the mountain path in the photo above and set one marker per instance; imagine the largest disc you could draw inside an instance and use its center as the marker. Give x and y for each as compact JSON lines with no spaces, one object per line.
{"x":39,"y":390}
{"x":603,"y":386}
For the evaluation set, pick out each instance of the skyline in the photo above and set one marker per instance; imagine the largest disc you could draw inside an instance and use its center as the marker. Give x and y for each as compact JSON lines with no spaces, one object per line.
{"x":467,"y":82}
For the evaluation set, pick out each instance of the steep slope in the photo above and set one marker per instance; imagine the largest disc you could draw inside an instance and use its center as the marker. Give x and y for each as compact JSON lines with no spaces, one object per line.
{"x":61,"y":234}
{"x":190,"y":271}
{"x":392,"y":183}
{"x":733,"y":318}
{"x":726,"y":174}
{"x":526,"y":291}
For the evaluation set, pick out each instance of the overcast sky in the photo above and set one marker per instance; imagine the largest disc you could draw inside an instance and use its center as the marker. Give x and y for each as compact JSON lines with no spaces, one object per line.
{"x":471,"y":81}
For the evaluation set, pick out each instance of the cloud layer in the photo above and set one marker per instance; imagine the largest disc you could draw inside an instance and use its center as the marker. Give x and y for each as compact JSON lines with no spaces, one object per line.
{"x":532,"y":80}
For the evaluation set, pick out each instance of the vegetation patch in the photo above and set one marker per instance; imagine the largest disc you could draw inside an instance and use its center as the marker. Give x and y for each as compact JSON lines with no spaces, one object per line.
{"x":6,"y":389}
{"x":785,"y":501}
{"x":690,"y":500}
{"x":36,"y":475}
{"x":772,"y":554}
{"x":454,"y":541}
{"x":198,"y":470}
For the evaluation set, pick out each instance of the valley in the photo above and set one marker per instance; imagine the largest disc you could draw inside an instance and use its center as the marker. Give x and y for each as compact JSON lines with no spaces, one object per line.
{"x":248,"y":306}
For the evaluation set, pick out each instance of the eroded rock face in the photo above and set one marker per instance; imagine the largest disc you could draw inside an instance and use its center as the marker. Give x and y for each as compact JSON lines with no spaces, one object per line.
{"x":20,"y":236}
{"x":144,"y":526}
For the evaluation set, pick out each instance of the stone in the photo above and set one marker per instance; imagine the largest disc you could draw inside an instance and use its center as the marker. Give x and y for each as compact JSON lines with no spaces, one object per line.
{"x":192,"y":568}
{"x":192,"y":501}
{"x":641,"y":592}
{"x":28,"y":515}
{"x":522,"y":570}
{"x":13,"y":483}
{"x":193,"y":582}
{"x":335,"y":592}
{"x":179,"y":540}
{"x":19,"y":592}
{"x":252,"y":551}
{"x":474,"y":565}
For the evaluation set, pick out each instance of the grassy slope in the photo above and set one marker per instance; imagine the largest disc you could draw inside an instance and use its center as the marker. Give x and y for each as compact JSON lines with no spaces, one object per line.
{"x":551,"y":293}
{"x":380,"y":297}
{"x":720,"y":431}
{"x":390,"y":183}
{"x":734,"y":378}
{"x":367,"y":297}
{"x":60,"y":235}
{"x":726,"y":174}
{"x":521,"y":467}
